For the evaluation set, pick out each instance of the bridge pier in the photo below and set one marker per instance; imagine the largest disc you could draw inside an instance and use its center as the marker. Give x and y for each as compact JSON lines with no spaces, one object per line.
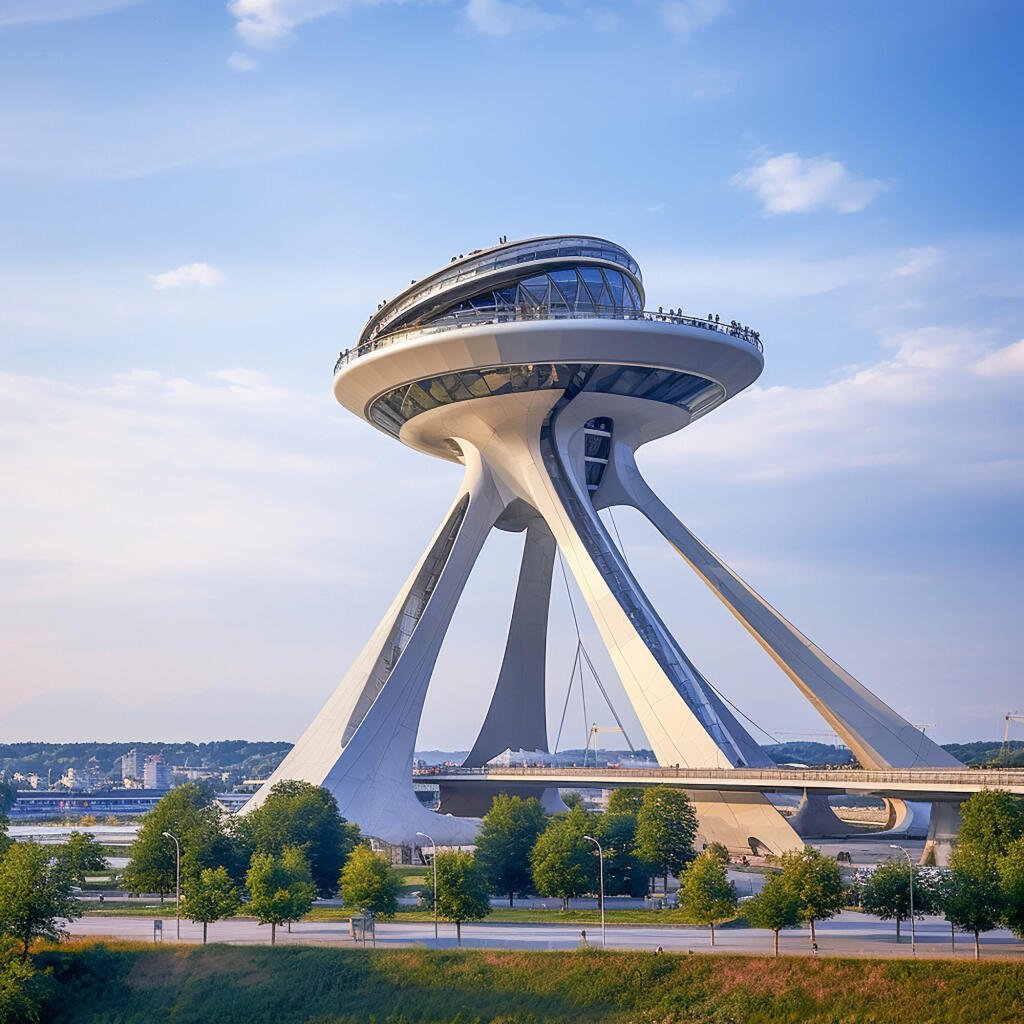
{"x":943,"y":832}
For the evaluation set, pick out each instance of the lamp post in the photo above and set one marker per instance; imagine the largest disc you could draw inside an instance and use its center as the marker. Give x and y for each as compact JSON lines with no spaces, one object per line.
{"x":177,"y":884}
{"x":600,"y":859}
{"x":433,"y":861}
{"x":910,"y":863}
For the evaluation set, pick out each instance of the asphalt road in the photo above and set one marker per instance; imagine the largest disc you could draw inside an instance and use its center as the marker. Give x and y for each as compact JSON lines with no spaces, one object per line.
{"x":849,"y":934}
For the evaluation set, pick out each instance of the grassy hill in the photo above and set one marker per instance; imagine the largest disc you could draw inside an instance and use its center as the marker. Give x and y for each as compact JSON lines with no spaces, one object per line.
{"x":125,"y":984}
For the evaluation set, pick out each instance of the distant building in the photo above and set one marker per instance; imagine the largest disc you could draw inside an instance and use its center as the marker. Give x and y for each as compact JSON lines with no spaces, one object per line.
{"x":157,"y":773}
{"x":130,"y":765}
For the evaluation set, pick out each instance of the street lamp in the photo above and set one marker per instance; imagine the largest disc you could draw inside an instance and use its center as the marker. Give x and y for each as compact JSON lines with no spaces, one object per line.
{"x":177,"y":883}
{"x":913,"y":933}
{"x":433,"y":861}
{"x":600,"y":858}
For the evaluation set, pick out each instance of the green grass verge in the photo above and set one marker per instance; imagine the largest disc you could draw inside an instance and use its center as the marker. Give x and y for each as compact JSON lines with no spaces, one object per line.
{"x":122,"y":983}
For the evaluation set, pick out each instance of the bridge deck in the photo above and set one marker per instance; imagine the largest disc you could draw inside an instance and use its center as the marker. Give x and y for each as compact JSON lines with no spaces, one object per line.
{"x":912,"y":784}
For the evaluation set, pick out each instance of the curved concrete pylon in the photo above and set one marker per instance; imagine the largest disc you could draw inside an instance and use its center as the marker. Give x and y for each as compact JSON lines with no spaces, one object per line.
{"x":361,"y":745}
{"x":878,"y":735}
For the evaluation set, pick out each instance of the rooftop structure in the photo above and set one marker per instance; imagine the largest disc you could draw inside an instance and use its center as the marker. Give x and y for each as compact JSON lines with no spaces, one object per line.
{"x":535,"y":365}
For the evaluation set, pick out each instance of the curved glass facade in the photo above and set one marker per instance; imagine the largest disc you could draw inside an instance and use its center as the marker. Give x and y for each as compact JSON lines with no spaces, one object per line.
{"x":569,"y":290}
{"x":401,"y":309}
{"x":686,"y":390}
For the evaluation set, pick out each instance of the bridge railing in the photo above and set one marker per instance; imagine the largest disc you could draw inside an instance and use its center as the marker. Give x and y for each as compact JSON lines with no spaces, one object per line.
{"x":993,"y":778}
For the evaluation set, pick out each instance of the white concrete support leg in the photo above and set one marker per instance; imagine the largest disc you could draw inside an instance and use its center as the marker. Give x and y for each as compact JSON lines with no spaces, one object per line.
{"x":517,"y":716}
{"x":361,"y":745}
{"x":879,"y":736}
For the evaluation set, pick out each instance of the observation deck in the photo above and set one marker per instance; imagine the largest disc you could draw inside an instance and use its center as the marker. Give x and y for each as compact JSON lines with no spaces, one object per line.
{"x":542,"y":314}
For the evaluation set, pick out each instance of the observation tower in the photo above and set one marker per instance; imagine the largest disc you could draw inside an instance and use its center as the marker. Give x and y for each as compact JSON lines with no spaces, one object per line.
{"x":535,"y":366}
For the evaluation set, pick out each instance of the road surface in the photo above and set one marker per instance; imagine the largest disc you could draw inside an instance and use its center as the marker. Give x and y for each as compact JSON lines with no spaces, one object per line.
{"x":849,"y":934}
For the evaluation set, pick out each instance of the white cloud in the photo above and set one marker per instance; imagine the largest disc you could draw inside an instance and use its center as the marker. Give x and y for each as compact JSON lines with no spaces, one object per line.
{"x":684,"y":17}
{"x":1004,"y":362}
{"x":919,"y":261}
{"x":241,"y":61}
{"x":263,"y":23}
{"x":927,"y":409}
{"x":790,"y":183}
{"x":39,"y":12}
{"x":506,"y":18}
{"x":186,"y":276}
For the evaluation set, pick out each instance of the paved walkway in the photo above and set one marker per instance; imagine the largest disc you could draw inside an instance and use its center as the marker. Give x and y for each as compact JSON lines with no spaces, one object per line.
{"x":849,"y":934}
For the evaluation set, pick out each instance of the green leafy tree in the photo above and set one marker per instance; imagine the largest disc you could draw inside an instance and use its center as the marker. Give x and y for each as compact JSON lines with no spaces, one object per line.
{"x":1011,"y":880}
{"x":705,"y":893}
{"x":210,"y":896}
{"x":624,"y":873}
{"x":22,"y":988}
{"x":299,"y":814}
{"x":81,"y":853}
{"x":666,"y":827}
{"x":508,"y":834}
{"x":35,"y":895}
{"x":886,"y":894}
{"x":990,"y":821}
{"x":625,"y":801}
{"x":462,"y":890}
{"x":369,"y":882}
{"x":281,"y":888}
{"x":562,"y":860}
{"x":187,"y":812}
{"x":817,"y":884}
{"x":973,"y":899}
{"x":775,"y":907}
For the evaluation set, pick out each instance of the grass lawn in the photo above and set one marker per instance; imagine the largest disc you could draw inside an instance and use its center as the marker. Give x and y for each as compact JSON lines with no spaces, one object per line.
{"x":125,"y":983}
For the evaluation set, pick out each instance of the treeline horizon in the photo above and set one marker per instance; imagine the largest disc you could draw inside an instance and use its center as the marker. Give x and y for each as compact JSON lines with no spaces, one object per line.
{"x":258,"y":758}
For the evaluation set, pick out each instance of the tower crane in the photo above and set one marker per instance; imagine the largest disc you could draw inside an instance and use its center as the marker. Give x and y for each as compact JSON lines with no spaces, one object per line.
{"x":1010,"y":716}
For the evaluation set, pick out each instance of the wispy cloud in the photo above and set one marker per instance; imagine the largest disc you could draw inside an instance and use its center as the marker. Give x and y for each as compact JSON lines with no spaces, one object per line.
{"x":41,"y":12}
{"x":264,"y":23}
{"x":684,"y":17}
{"x":510,"y":17}
{"x":242,"y":61}
{"x":1004,"y":362}
{"x":187,"y":276}
{"x":790,"y":183}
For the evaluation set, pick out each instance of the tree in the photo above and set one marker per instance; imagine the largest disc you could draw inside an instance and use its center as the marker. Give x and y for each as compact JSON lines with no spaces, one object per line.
{"x":281,"y":888}
{"x":816,"y":883}
{"x":624,"y":873}
{"x":625,"y":801}
{"x":35,"y":895}
{"x":81,"y":853}
{"x":990,"y":821}
{"x":775,"y":907}
{"x":209,"y":897}
{"x":462,"y":891}
{"x":666,"y":827}
{"x":562,"y":860}
{"x":19,"y":986}
{"x":705,"y":893}
{"x":188,"y":813}
{"x":972,"y":900}
{"x":508,"y":834}
{"x":305,"y":816}
{"x":886,"y":894}
{"x":369,"y":882}
{"x":1011,"y":879}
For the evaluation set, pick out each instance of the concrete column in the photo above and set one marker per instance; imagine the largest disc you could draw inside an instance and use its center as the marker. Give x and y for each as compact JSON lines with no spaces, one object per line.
{"x":879,"y":736}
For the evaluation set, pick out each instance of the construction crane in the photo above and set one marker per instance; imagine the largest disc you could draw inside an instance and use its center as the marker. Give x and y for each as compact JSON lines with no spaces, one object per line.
{"x":1010,"y":716}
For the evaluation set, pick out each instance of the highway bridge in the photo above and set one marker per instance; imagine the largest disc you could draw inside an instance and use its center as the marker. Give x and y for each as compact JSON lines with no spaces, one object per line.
{"x":919,"y":784}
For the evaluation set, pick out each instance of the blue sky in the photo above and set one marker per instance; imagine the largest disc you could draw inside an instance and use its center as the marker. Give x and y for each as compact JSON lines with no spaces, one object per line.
{"x":201,"y":203}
